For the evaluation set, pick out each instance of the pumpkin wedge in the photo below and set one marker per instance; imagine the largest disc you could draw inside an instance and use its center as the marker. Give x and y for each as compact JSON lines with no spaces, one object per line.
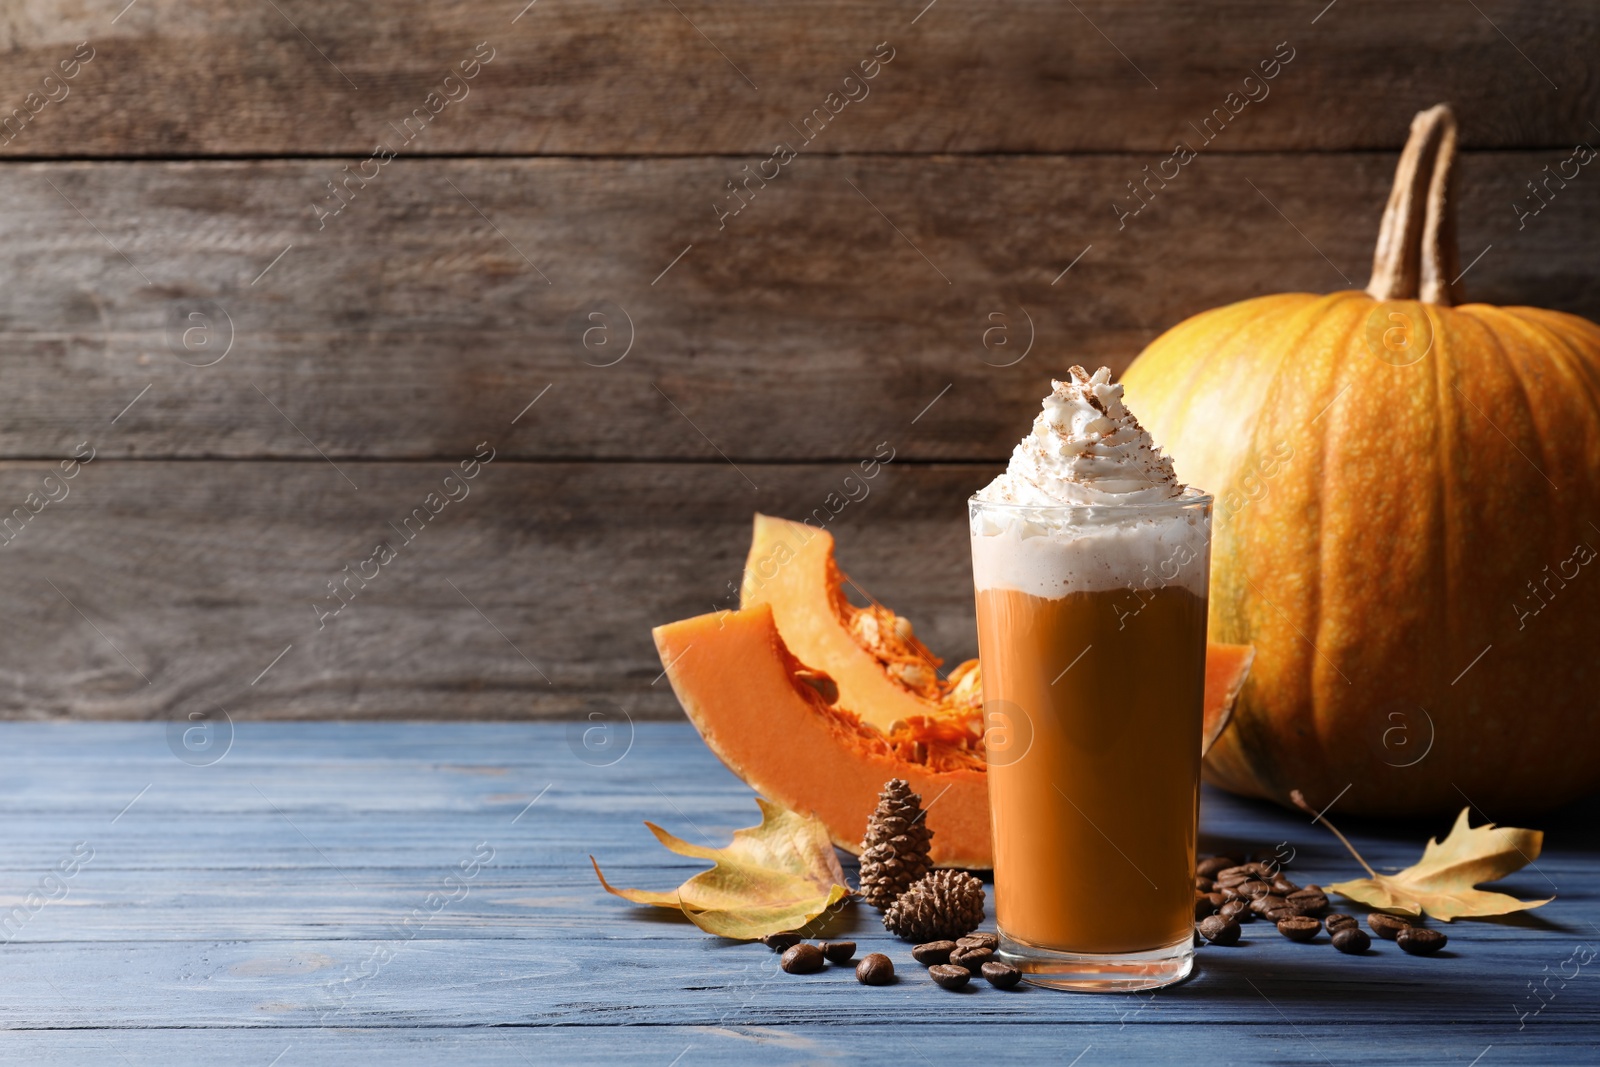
{"x":769,"y":719}
{"x":883,"y":672}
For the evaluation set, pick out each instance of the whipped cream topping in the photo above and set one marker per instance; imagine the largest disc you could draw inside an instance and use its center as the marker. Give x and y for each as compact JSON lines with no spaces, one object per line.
{"x":1085,"y":447}
{"x":1087,"y":452}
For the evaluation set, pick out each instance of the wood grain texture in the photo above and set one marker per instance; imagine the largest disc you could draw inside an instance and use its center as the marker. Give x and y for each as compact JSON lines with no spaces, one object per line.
{"x":636,"y":76}
{"x":181,"y":300}
{"x":176,"y":584}
{"x":448,"y":295}
{"x":517,"y":1044}
{"x":234,"y":900}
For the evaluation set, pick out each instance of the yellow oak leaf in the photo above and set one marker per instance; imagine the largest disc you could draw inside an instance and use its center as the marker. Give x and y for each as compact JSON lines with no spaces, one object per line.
{"x":779,"y":875}
{"x":1443,"y":883}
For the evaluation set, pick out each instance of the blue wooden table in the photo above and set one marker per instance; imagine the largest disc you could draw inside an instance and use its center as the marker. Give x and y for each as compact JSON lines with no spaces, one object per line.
{"x":420,"y":894}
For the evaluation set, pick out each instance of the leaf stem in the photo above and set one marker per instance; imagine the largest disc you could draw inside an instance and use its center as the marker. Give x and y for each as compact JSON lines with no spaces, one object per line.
{"x":1300,"y":802}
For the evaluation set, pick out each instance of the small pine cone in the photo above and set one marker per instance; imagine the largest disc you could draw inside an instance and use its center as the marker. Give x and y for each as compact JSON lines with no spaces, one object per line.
{"x":895,"y":852}
{"x":941,"y":906}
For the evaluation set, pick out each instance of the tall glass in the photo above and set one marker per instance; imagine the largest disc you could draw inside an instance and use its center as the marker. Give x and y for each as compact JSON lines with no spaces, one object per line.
{"x":1092,"y":639}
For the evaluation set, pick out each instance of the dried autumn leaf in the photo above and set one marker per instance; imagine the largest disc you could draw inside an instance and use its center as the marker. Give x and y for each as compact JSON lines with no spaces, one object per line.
{"x":776,"y":876}
{"x":1442,"y":882}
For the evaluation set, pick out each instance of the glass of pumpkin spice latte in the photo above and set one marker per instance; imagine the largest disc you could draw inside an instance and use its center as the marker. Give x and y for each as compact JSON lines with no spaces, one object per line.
{"x":1091,"y":565}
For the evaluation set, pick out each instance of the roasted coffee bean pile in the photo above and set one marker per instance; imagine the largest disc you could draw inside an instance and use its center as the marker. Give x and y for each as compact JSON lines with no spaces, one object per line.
{"x":802,"y":957}
{"x":951,"y":964}
{"x":1228,"y":892}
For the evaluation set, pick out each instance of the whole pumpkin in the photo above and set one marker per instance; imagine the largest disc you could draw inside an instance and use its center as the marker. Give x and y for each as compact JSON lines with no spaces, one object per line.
{"x":1406,"y":526}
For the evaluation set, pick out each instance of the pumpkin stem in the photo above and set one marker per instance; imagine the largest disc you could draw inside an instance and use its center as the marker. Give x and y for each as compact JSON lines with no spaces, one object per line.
{"x":1416,"y":257}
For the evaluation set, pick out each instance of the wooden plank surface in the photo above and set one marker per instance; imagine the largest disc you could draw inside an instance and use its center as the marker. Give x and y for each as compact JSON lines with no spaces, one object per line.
{"x":635,"y":76}
{"x":449,"y":295}
{"x":513,"y":1045}
{"x":233,"y":899}
{"x":160,"y":589}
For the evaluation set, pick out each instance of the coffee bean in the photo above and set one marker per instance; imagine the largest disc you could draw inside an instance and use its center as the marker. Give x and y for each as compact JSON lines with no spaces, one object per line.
{"x":1001,"y":975}
{"x":1387,"y":926}
{"x":1214,"y":865}
{"x":1203,"y":885}
{"x":1283,"y":887}
{"x":802,"y":959}
{"x":1220,"y":931}
{"x":1233,"y":876}
{"x":972,"y":958}
{"x":1420,"y":940}
{"x":781,"y":942}
{"x":1308,"y":901}
{"x":1246,"y":890}
{"x":1336,"y":921}
{"x":839,"y":951}
{"x":1299,"y":927}
{"x":980,"y":939}
{"x":875,"y":969}
{"x":1204,"y":905}
{"x":1267,"y":902}
{"x":1351,"y":939}
{"x":950,"y":976}
{"x":934,"y":952}
{"x":1237,"y":910}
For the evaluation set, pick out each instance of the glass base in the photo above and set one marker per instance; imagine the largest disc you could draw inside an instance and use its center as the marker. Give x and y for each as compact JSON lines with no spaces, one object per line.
{"x":1099,"y":972}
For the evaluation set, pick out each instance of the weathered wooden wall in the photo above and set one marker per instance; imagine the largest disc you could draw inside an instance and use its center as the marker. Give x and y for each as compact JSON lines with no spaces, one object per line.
{"x":266,"y":385}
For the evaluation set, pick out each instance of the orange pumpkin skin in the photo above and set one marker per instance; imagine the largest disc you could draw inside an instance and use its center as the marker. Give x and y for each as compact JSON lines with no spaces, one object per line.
{"x":1409,"y":547}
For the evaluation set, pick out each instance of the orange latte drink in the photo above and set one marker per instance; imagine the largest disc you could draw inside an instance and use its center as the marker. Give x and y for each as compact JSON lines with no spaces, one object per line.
{"x":1091,"y":566}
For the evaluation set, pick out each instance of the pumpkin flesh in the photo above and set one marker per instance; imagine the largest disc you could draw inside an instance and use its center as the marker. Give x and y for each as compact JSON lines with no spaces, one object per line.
{"x":881,"y":669}
{"x":745,"y":693}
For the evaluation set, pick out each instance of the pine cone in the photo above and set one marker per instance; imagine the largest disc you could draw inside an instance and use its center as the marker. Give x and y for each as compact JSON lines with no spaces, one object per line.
{"x":941,"y":906}
{"x":895,"y":852}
